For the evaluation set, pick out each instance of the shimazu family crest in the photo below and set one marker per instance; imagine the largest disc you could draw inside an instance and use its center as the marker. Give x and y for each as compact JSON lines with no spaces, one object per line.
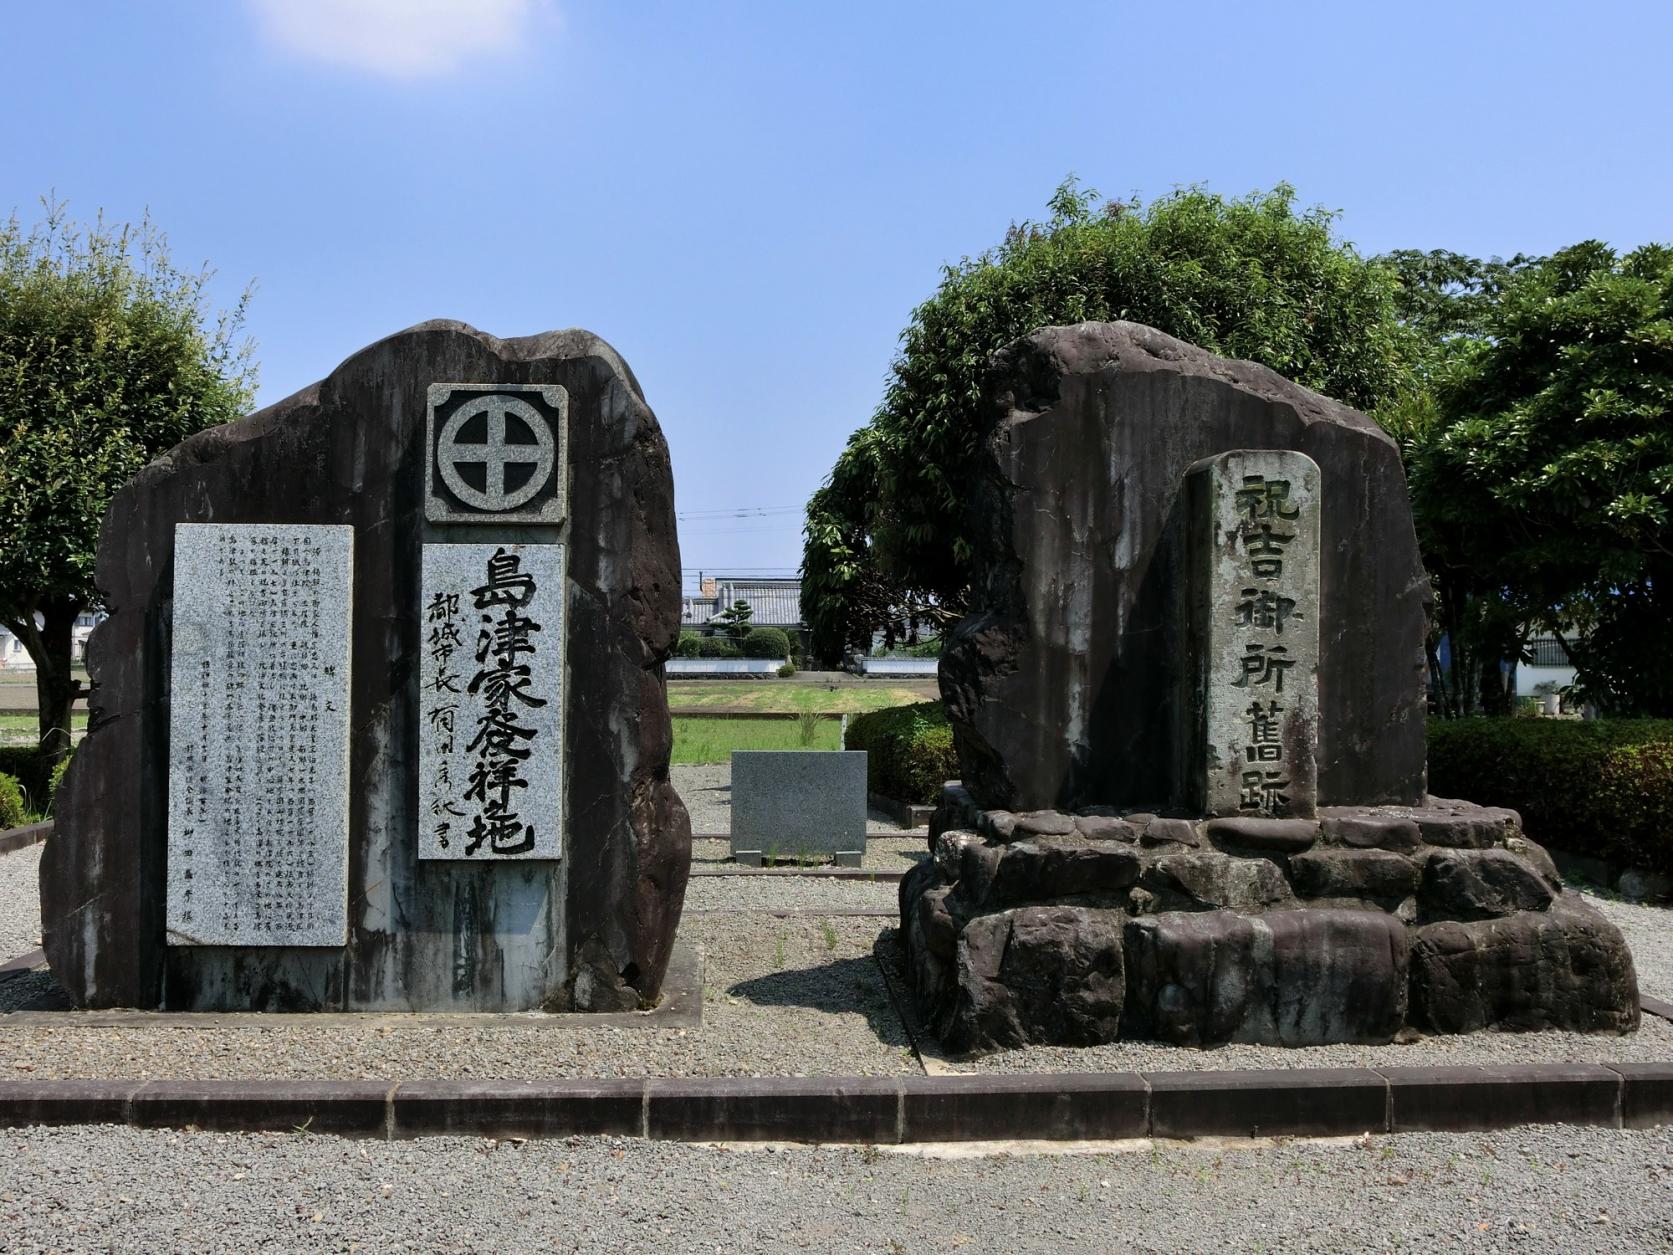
{"x":495,"y":453}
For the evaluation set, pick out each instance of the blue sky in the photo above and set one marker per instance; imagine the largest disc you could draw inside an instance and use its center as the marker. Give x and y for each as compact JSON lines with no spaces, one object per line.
{"x":747,"y":200}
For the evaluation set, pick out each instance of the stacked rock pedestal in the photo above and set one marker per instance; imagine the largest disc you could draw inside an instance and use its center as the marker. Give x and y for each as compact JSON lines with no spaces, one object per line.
{"x":1188,"y":706}
{"x":1351,"y":927}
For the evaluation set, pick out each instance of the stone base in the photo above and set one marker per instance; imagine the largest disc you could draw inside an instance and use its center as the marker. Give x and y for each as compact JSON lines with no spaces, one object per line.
{"x":1366,"y":922}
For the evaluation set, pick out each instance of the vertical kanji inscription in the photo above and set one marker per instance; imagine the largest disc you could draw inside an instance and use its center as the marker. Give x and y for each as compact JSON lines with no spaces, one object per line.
{"x":258,"y":735}
{"x":1256,"y":602}
{"x":491,"y":702}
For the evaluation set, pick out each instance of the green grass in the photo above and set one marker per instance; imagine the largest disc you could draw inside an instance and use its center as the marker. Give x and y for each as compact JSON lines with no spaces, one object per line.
{"x":25,"y":729}
{"x":700,"y":740}
{"x":787,"y":696}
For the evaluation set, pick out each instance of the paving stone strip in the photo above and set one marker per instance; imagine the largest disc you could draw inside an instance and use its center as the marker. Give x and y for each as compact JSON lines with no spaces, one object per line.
{"x":1299,"y":1102}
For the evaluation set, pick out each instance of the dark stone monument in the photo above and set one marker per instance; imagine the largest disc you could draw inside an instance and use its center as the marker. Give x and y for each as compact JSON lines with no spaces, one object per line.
{"x":378,"y":713}
{"x":1188,"y":703}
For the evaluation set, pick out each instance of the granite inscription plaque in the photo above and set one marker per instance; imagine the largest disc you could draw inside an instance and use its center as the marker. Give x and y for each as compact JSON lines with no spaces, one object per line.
{"x":497,"y":453}
{"x":1257,"y":607}
{"x":491,"y":691}
{"x":258,"y":735}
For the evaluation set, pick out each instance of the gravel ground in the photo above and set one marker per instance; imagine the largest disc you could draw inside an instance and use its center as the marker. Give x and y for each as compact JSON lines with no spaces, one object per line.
{"x":895,"y":854}
{"x":799,"y":996}
{"x":788,"y":893}
{"x":1649,"y":934}
{"x":707,"y":791}
{"x":20,"y":902}
{"x":1536,"y":1189}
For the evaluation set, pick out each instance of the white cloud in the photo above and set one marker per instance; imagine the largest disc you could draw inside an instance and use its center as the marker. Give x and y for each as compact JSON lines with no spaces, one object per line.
{"x":398,"y":38}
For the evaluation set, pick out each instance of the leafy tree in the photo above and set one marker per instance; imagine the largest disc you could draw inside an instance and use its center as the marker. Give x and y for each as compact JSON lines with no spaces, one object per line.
{"x":1247,"y":277}
{"x":1546,"y":480}
{"x":1541,"y":467}
{"x":105,"y":362}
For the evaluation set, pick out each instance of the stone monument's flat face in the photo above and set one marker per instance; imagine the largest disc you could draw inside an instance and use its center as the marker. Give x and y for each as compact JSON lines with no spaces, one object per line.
{"x":259,"y":734}
{"x":795,"y":803}
{"x":491,"y":703}
{"x":1255,"y":516}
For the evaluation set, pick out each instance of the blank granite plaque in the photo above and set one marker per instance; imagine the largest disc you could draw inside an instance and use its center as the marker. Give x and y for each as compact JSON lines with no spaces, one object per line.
{"x":1254,"y":522}
{"x":793,"y":804}
{"x":491,"y":688}
{"x":258,"y":735}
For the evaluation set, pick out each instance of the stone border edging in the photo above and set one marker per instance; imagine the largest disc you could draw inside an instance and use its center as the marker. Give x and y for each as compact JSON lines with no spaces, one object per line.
{"x":28,"y":835}
{"x":1298,"y":1102}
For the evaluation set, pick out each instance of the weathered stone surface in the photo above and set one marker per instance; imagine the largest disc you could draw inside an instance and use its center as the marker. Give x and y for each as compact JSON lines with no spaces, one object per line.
{"x":1170,"y":832}
{"x":1250,"y":657}
{"x":1347,"y":873}
{"x":1042,"y":868}
{"x":1536,"y":856}
{"x":1059,"y":682}
{"x":1363,"y":829}
{"x":1565,"y":968}
{"x":1037,"y":973}
{"x":1043,"y":824}
{"x":1278,"y":836}
{"x":1293,"y":978}
{"x":593,"y":930}
{"x":1480,"y":884}
{"x":1464,"y":825}
{"x":1105,"y":828}
{"x":1210,"y":880}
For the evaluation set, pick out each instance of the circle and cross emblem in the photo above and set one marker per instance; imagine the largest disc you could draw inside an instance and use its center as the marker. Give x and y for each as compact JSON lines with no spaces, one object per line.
{"x":495,"y":455}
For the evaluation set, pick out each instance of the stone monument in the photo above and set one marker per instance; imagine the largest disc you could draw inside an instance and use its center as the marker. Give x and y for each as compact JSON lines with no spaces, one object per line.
{"x":1188,"y":704}
{"x":378,"y":714}
{"x":799,"y":804}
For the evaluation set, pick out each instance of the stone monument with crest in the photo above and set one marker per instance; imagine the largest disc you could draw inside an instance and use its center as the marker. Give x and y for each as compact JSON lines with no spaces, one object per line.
{"x":1188,"y":704}
{"x":378,"y":714}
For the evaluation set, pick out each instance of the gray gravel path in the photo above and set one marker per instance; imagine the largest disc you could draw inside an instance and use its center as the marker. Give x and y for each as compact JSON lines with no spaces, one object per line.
{"x":1537,"y":1189}
{"x":881,"y":853}
{"x":707,"y":792}
{"x":1649,"y":934}
{"x":788,"y":893}
{"x":20,"y":903}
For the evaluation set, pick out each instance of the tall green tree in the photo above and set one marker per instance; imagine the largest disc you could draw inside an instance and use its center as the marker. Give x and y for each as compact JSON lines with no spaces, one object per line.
{"x":109,"y":356}
{"x":1545,"y":478}
{"x":1249,"y":277}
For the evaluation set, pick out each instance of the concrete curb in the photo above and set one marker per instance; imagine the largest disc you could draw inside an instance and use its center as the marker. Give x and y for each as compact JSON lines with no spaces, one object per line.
{"x":1298,"y":1102}
{"x":22,"y":838}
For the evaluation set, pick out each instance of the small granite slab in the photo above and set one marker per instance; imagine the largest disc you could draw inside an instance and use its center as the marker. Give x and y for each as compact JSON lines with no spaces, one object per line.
{"x":258,"y":825}
{"x":491,"y":700}
{"x":798,"y":803}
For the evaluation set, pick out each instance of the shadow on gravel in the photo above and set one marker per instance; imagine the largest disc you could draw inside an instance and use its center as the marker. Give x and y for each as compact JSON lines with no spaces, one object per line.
{"x":841,"y":986}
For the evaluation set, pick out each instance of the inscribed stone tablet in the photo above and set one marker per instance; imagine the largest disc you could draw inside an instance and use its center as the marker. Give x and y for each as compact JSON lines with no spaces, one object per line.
{"x":258,"y":735}
{"x":1257,"y":516}
{"x":490,"y":757}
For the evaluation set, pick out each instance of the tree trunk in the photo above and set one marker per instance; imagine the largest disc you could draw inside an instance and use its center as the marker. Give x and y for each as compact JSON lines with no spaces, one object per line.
{"x":49,"y":645}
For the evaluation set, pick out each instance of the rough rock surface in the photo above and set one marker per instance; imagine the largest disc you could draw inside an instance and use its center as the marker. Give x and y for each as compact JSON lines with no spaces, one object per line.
{"x":1564,"y":968}
{"x":350,"y":450}
{"x":1061,"y":682}
{"x":1262,"y":932}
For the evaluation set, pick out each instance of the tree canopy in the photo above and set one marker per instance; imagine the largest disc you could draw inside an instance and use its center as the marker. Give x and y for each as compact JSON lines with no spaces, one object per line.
{"x":109,"y":356}
{"x":1541,"y":462}
{"x":1248,"y":277}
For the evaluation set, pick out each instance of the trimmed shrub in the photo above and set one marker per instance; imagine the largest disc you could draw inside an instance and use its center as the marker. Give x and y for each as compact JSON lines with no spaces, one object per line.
{"x":766,"y":642}
{"x":1599,"y":788}
{"x":690,"y":646}
{"x":787,"y":670}
{"x":12,"y":813}
{"x":909,"y":751}
{"x":718,"y":647}
{"x":28,"y":766}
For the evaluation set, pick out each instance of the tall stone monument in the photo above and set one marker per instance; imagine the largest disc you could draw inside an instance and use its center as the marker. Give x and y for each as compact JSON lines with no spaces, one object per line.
{"x":1188,"y":704}
{"x":378,"y":716}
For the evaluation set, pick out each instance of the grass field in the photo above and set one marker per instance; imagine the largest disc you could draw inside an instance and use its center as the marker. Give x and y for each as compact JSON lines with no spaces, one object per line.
{"x":713,"y":740}
{"x":16,"y":729}
{"x":788,"y":697}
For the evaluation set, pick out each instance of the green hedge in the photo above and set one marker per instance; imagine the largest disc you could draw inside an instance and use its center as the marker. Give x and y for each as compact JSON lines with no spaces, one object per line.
{"x":12,"y":813}
{"x":28,"y":766}
{"x":766,"y":642}
{"x":1600,"y":788}
{"x":909,"y":751}
{"x":718,"y":647}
